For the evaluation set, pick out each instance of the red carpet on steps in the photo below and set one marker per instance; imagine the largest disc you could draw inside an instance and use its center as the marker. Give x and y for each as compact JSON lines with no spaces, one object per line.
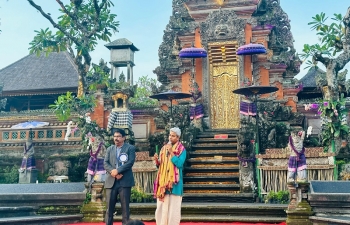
{"x":185,"y":223}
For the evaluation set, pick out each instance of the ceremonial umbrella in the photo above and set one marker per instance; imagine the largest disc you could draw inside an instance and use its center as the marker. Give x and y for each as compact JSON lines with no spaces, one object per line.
{"x":193,"y":52}
{"x":249,"y":91}
{"x":255,"y":90}
{"x":30,"y":125}
{"x":170,"y":95}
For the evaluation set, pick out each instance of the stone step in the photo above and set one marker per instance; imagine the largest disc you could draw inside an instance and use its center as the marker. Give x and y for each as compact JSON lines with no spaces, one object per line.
{"x":215,"y":218}
{"x":212,"y":135}
{"x":212,"y":160}
{"x":211,"y":186}
{"x":211,"y":177}
{"x":199,"y":153}
{"x":206,"y":210}
{"x":206,"y":169}
{"x":42,"y":219}
{"x":212,"y":141}
{"x":219,"y":197}
{"x":221,"y":131}
{"x":214,"y":146}
{"x":17,"y":211}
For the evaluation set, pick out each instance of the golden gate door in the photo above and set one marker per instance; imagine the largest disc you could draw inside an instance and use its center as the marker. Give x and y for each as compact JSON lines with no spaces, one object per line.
{"x":224,"y":78}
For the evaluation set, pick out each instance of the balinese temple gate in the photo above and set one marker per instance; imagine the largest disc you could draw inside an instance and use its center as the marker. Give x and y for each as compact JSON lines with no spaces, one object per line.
{"x":220,"y":27}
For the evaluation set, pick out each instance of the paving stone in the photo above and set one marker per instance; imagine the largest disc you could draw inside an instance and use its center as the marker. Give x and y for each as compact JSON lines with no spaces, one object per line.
{"x":42,"y":188}
{"x":330,"y":187}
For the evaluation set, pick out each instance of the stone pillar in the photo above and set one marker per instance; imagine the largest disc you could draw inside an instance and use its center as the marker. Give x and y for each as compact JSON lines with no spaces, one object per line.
{"x":95,"y":210}
{"x":28,"y":176}
{"x":128,"y":73}
{"x":299,"y":209}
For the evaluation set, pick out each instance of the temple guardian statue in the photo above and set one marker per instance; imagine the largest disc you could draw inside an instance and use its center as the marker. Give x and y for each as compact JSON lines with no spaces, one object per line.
{"x":297,"y":159}
{"x":27,"y":171}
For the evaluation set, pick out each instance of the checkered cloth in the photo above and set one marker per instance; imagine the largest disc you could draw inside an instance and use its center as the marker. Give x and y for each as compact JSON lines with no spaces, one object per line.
{"x":120,"y":119}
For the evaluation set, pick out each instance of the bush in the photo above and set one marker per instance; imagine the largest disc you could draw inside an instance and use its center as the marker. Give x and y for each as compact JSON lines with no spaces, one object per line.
{"x":140,"y":196}
{"x":280,"y":197}
{"x":9,"y":175}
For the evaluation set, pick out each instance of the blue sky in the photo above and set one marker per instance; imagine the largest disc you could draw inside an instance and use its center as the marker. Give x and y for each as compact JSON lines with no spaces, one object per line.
{"x":142,"y":22}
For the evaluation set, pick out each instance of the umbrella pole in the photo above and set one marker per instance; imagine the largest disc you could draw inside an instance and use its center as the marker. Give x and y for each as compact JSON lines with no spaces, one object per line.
{"x":171,"y":112}
{"x":257,"y":143}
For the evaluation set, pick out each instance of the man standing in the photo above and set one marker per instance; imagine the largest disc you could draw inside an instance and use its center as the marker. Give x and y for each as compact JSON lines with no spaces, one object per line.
{"x":168,"y":186}
{"x":118,"y":163}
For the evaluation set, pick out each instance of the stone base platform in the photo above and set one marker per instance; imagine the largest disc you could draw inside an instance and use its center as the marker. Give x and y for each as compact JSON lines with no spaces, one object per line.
{"x":214,"y":212}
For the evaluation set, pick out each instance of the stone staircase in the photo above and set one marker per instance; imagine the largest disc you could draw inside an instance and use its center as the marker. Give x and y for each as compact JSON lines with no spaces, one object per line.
{"x":41,"y":204}
{"x":211,"y":173}
{"x":28,"y":215}
{"x":214,"y":212}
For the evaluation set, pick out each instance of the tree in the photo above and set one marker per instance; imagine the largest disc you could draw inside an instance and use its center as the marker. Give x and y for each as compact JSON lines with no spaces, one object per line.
{"x":333,"y":51}
{"x":81,"y":25}
{"x":145,"y":88}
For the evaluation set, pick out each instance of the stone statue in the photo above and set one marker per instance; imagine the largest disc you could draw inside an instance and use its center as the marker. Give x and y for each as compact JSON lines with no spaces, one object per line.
{"x":28,"y":161}
{"x":196,"y":107}
{"x":95,"y":170}
{"x":297,"y":159}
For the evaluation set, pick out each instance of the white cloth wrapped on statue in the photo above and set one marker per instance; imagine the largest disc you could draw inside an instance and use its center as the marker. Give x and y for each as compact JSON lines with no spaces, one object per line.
{"x":120,"y":119}
{"x":247,"y":107}
{"x":196,"y":111}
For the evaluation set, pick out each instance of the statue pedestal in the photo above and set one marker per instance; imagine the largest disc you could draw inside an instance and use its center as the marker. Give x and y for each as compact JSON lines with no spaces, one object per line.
{"x":299,"y":209}
{"x":28,"y":176}
{"x":95,"y":210}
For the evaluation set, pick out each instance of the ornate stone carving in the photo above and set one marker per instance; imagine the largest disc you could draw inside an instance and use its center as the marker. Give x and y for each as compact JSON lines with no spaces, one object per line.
{"x":223,"y":25}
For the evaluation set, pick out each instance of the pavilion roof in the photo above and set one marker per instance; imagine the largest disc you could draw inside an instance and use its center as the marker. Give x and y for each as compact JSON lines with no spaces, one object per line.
{"x":309,"y":79}
{"x":121,"y":43}
{"x":56,"y":71}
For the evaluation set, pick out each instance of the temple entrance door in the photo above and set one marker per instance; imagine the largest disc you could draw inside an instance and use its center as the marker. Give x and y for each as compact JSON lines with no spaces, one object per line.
{"x":224,"y":78}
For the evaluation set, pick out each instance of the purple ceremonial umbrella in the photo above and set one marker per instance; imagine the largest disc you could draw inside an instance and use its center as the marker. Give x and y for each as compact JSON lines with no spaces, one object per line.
{"x":251,"y":49}
{"x":193,"y":52}
{"x":170,"y":95}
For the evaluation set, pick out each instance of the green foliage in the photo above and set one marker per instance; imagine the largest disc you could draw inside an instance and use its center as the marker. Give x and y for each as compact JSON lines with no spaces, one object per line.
{"x":280,"y":197}
{"x":282,"y":134}
{"x":330,"y":35}
{"x":156,"y":139}
{"x":79,"y":25}
{"x":143,"y":91}
{"x":87,"y":199}
{"x":89,"y":129}
{"x":140,"y":196}
{"x":68,"y":103}
{"x":78,"y":167}
{"x":335,"y":125}
{"x":42,"y":177}
{"x":98,"y":76}
{"x":9,"y":175}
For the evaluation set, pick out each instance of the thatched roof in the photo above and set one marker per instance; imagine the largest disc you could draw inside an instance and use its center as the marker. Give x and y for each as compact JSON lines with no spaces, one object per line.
{"x":309,"y":80}
{"x":40,"y":74}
